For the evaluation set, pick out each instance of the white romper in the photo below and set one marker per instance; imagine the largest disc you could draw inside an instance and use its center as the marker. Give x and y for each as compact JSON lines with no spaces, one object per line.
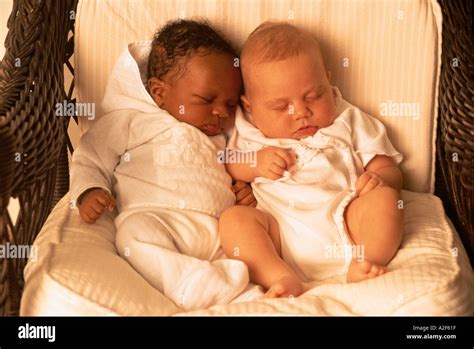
{"x":309,"y":200}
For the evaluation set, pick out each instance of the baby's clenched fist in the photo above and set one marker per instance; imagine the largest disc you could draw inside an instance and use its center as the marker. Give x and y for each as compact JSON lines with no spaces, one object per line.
{"x":272,"y":162}
{"x":93,"y":203}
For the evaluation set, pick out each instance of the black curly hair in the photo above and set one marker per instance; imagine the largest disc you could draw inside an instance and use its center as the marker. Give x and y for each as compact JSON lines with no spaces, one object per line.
{"x":180,"y":39}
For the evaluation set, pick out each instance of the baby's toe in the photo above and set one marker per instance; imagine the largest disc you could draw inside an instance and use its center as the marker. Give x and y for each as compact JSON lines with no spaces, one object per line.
{"x":377,"y":270}
{"x":274,"y":292}
{"x":364,"y":267}
{"x":374,"y":270}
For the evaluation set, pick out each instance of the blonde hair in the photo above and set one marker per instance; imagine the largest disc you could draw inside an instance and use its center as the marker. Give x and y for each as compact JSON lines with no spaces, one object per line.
{"x":275,"y":41}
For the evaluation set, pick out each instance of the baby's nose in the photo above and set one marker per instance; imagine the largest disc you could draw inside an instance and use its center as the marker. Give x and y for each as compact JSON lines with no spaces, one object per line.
{"x":299,"y":110}
{"x":221,"y":112}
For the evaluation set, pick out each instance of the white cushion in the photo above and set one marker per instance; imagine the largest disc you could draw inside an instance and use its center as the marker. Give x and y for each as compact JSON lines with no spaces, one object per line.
{"x":78,"y":272}
{"x":383,"y":55}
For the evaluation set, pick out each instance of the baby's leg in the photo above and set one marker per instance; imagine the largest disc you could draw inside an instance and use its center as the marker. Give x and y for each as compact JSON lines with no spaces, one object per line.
{"x":375,"y":223}
{"x":252,"y":236}
{"x":146,"y":243}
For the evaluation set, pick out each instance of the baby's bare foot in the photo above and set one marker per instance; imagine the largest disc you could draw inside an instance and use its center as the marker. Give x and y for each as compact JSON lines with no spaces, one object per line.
{"x":285,"y":286}
{"x":363,"y":270}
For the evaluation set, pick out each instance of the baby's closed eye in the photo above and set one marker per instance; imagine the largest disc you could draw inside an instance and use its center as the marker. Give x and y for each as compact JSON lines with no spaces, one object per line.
{"x":280,"y":107}
{"x":314,"y":95}
{"x":203,"y":99}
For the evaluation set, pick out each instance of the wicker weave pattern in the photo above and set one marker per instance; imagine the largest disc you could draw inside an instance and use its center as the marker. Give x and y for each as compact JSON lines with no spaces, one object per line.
{"x":32,"y":137}
{"x":456,"y":141}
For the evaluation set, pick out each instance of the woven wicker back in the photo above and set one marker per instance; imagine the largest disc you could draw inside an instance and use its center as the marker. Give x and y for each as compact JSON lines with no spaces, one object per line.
{"x":32,"y":137}
{"x":456,"y":134}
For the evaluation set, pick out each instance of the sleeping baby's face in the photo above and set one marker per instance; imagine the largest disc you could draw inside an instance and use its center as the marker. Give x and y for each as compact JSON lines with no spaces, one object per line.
{"x":290,"y":98}
{"x":205,"y":95}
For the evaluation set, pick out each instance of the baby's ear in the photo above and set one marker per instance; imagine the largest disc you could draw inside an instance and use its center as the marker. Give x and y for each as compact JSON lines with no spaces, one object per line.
{"x":245,"y":103}
{"x":156,"y":87}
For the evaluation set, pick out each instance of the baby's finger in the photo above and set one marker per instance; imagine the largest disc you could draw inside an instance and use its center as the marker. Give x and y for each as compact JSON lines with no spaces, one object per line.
{"x":238,"y":185}
{"x":277,"y":170}
{"x":243,"y":193}
{"x":286,"y":155}
{"x":273,"y":175}
{"x":293,"y":157}
{"x":103,"y":198}
{"x":92,"y":213}
{"x":279,"y":161}
{"x":361,"y":182}
{"x":84,"y":217}
{"x":97,"y":207}
{"x":112,"y":203}
{"x":87,"y":218}
{"x":247,"y":200}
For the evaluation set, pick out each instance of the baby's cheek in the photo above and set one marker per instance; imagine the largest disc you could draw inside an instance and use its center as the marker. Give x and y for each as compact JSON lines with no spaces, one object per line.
{"x":328,"y":114}
{"x":196,"y":114}
{"x":228,"y":124}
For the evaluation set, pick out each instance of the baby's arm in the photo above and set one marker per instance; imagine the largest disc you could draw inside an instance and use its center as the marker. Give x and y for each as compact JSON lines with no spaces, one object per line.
{"x":93,"y":165}
{"x":271,"y":163}
{"x":380,"y":171}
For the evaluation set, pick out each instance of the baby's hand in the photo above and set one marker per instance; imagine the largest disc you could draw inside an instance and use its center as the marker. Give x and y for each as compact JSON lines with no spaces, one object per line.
{"x":94,"y":203}
{"x":243,"y":194}
{"x":367,"y":182}
{"x":272,"y":162}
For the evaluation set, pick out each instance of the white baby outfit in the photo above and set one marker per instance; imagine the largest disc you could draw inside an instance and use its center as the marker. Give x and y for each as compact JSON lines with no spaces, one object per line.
{"x":169,"y":186}
{"x":309,"y":200}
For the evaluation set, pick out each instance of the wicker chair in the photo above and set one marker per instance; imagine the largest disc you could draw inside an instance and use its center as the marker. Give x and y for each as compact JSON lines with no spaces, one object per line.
{"x":34,"y":142}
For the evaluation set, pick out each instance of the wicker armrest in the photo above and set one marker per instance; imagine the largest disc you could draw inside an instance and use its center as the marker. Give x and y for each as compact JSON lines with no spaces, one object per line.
{"x":32,"y":137}
{"x":455,"y":144}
